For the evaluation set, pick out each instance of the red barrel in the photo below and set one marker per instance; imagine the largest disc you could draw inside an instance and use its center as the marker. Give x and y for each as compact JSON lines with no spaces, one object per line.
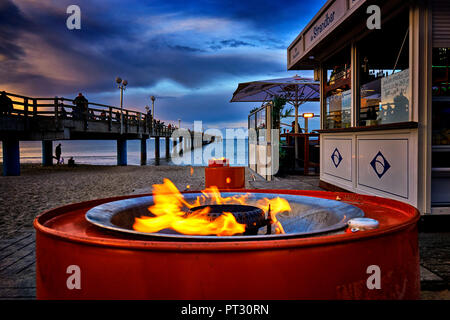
{"x":119,"y":266}
{"x":225,"y":177}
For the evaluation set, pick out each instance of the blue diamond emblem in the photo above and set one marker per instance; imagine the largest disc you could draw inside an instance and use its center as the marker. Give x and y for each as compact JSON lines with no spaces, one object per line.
{"x":380,"y":165}
{"x":336,"y":157}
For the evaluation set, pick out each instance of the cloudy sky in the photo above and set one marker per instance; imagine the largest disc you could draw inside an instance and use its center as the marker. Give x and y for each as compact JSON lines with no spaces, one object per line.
{"x":190,"y":54}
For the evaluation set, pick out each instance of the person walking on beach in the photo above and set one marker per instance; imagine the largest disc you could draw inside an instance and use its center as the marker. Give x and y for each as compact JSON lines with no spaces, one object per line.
{"x":6,"y":105}
{"x":58,"y":154}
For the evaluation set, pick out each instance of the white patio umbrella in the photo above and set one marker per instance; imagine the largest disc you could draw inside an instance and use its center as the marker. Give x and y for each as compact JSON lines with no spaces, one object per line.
{"x":295,"y":90}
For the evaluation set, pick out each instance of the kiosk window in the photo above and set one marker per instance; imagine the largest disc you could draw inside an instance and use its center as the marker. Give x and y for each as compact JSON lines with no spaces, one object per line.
{"x":384,"y":75}
{"x":337,"y":91}
{"x":441,"y":107}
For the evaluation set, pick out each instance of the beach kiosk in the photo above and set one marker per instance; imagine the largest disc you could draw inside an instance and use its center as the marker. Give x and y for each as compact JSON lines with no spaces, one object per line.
{"x":384,"y":75}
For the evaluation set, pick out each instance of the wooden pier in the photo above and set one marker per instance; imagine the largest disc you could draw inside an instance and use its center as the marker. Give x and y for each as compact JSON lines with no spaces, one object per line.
{"x":49,"y":119}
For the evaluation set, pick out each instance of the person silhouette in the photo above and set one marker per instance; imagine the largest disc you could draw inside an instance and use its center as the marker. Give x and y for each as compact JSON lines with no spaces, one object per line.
{"x":401,"y":107}
{"x":58,"y":154}
{"x":81,"y":107}
{"x":6,"y":105}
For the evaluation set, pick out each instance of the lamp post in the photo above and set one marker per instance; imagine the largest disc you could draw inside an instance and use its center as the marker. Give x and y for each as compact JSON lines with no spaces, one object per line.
{"x":153,"y":106}
{"x":121,"y":85}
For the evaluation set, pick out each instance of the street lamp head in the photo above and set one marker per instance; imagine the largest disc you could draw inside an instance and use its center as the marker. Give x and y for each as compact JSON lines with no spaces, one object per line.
{"x":153,"y":98}
{"x":125,"y":82}
{"x":118,"y":80}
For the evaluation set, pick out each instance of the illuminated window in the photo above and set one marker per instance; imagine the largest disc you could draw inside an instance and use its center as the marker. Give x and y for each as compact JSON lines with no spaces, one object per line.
{"x":384,"y":74}
{"x":337,"y":91}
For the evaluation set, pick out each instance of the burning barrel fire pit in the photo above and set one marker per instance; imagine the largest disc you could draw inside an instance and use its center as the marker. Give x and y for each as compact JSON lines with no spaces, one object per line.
{"x":249,"y":247}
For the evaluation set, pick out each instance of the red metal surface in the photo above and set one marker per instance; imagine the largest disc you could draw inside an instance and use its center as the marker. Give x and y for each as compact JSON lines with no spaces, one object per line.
{"x":119,"y":266}
{"x":225,"y":177}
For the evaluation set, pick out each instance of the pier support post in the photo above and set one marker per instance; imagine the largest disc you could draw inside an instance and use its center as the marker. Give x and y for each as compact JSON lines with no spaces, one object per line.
{"x":47,"y":153}
{"x":157,"y":148}
{"x":143,"y":152}
{"x":121,"y":152}
{"x":11,"y":157}
{"x":167,"y":147}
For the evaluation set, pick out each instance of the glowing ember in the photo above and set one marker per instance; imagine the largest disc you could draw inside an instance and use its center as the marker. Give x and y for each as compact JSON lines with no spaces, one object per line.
{"x":168,"y":212}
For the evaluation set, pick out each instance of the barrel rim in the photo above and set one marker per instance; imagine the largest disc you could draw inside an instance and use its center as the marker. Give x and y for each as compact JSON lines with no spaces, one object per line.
{"x":411,"y":213}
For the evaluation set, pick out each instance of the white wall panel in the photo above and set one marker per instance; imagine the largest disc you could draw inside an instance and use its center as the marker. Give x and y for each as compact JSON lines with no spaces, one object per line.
{"x":383,"y":165}
{"x":337,"y":157}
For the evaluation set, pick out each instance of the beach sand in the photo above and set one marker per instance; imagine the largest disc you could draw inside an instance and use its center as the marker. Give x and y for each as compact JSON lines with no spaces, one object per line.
{"x":40,"y":188}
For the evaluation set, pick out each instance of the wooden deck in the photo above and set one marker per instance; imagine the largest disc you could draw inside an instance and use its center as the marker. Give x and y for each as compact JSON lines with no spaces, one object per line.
{"x":17,"y":267}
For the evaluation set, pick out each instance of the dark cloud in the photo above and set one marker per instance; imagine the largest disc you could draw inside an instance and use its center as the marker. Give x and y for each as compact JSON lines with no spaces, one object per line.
{"x":186,"y":48}
{"x":262,"y":14}
{"x":12,"y":22}
{"x":39,"y":56}
{"x":229,"y":43}
{"x":236,"y":43}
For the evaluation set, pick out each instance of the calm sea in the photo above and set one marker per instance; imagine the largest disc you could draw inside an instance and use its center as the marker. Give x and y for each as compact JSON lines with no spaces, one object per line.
{"x":103,"y":152}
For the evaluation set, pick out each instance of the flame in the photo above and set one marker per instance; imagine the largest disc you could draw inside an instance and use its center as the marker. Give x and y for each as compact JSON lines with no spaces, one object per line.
{"x":191,"y":171}
{"x":167,"y":212}
{"x":276,"y":206}
{"x":228,"y":180}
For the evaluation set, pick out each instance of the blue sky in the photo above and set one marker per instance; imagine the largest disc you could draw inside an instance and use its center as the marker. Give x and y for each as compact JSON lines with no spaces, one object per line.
{"x":190,"y":54}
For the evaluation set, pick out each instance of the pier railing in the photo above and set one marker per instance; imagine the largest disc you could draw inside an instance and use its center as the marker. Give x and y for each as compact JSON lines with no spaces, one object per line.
{"x":60,"y":108}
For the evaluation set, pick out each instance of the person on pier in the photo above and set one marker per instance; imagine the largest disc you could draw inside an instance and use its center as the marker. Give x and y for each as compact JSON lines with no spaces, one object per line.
{"x":6,"y":105}
{"x":81,"y":106}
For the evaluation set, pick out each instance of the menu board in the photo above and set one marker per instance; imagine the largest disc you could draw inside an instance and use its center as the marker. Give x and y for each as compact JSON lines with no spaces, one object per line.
{"x":395,"y":97}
